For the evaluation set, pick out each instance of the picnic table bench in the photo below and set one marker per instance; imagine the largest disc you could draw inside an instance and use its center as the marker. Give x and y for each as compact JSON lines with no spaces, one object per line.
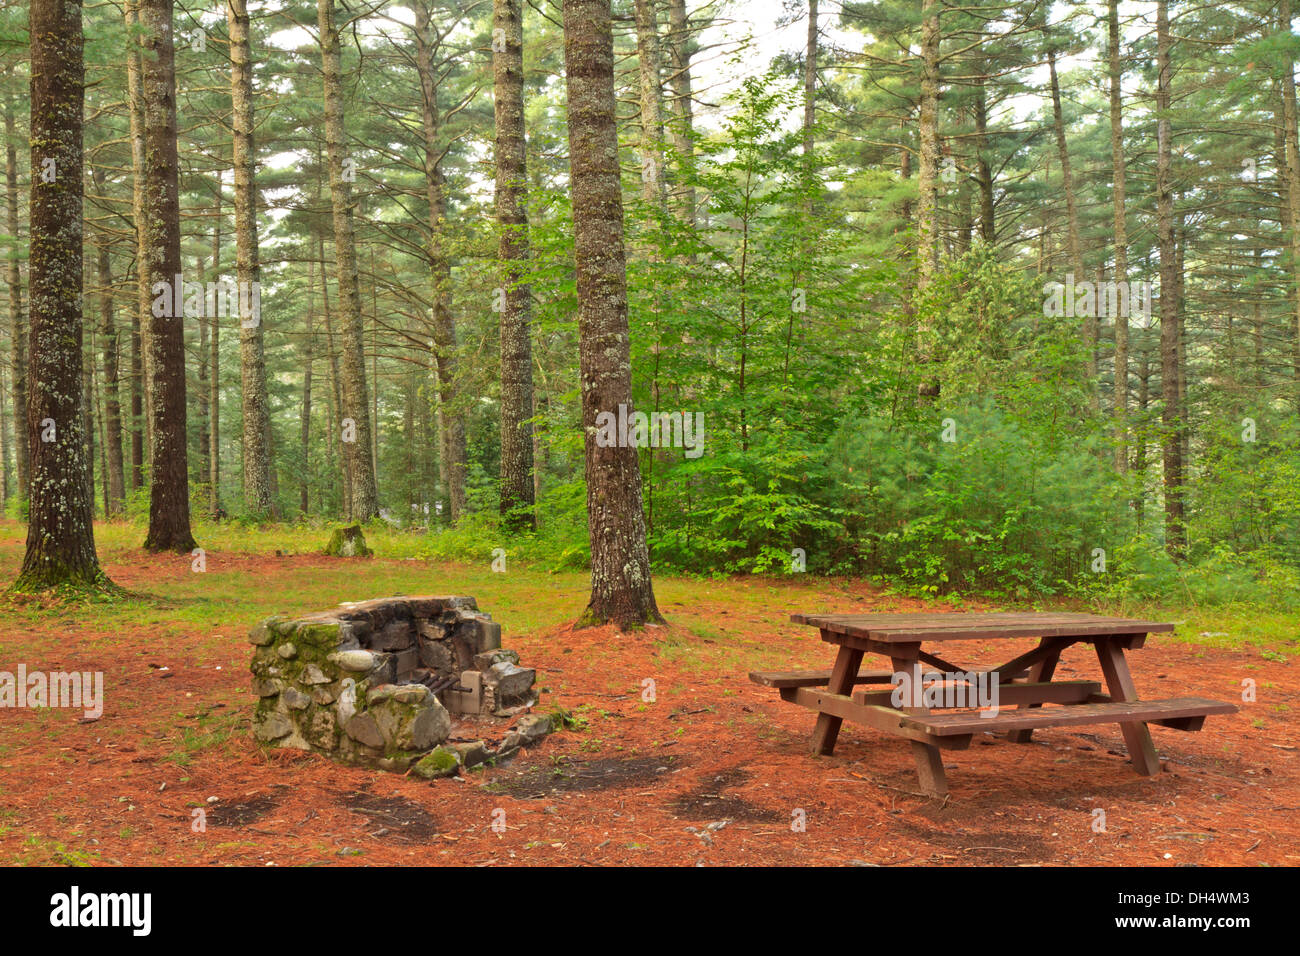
{"x":1024,"y":682}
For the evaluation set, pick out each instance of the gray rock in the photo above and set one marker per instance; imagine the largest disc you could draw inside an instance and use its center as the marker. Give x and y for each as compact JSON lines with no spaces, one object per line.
{"x":267,"y":688}
{"x":431,"y":726}
{"x":272,"y":726}
{"x":511,"y":680}
{"x":287,"y":650}
{"x":363,"y":729}
{"x":484,"y":660}
{"x":312,"y":674}
{"x":322,"y":695}
{"x":261,"y":635}
{"x":295,"y":699}
{"x":472,"y":754}
{"x":355,"y":661}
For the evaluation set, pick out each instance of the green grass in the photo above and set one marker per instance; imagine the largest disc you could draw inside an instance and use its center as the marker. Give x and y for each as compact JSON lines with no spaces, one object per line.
{"x":226,"y":599}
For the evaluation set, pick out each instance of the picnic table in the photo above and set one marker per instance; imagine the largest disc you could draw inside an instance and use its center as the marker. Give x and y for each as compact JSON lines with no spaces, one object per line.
{"x":1024,"y":682}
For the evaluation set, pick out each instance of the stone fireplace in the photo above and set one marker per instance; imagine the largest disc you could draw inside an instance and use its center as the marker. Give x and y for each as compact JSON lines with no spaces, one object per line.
{"x":419,"y":683}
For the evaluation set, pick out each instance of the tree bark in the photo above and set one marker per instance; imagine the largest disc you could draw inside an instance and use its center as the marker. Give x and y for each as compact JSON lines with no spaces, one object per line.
{"x":1072,"y":237}
{"x":364,"y":503}
{"x":17,"y":327}
{"x":928,"y":187}
{"x":1175,"y":529}
{"x":683,"y":135}
{"x":653,"y":191}
{"x":144,"y":299}
{"x":248,"y":270}
{"x":115,"y":480}
{"x":450,"y":418}
{"x":1121,"y":235}
{"x":621,"y":589}
{"x":516,"y":314}
{"x":169,"y":499}
{"x":60,"y":534}
{"x":214,"y":381}
{"x":983,"y":172}
{"x":1290,"y":112}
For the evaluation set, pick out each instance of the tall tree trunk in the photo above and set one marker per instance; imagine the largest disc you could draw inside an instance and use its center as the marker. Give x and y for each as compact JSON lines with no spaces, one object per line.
{"x":1121,"y":235}
{"x":304,"y":428}
{"x":450,"y":418}
{"x":214,"y":382}
{"x":1072,"y":237}
{"x":928,"y":188}
{"x":1175,"y":529}
{"x":983,"y":172}
{"x":364,"y":503}
{"x":683,"y":137}
{"x":144,"y":299}
{"x":17,"y":327}
{"x":621,"y":589}
{"x":169,"y":499}
{"x":60,"y":534}
{"x":115,"y":479}
{"x":516,"y":315}
{"x":1290,"y":113}
{"x":653,"y":190}
{"x":248,"y":271}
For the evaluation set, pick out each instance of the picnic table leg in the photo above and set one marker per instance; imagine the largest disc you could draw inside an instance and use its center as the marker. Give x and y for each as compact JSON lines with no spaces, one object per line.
{"x":1039,"y":673}
{"x":1119,"y":682}
{"x":845,"y":670}
{"x":929,"y":761}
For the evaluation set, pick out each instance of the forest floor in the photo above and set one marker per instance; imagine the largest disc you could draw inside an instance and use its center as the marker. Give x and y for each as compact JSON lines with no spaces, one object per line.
{"x":713,"y":772}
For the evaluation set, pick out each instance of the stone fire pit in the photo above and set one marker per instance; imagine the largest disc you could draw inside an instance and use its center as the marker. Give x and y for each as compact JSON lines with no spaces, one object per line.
{"x":418,"y":683}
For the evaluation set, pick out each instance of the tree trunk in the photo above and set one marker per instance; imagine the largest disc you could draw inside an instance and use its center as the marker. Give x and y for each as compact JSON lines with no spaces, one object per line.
{"x":248,"y":271}
{"x":169,"y":499}
{"x":516,"y":314}
{"x":60,"y":534}
{"x":683,"y":138}
{"x":450,"y":419}
{"x":144,"y":299}
{"x":983,"y":172}
{"x":928,"y":187}
{"x":364,"y":503}
{"x":652,"y":125}
{"x":1072,"y":238}
{"x":621,"y":589}
{"x":115,"y":480}
{"x":214,"y":382}
{"x":17,"y":330}
{"x":928,"y":174}
{"x":1289,"y":113}
{"x":1175,"y":530}
{"x":1121,"y":236}
{"x":304,"y":428}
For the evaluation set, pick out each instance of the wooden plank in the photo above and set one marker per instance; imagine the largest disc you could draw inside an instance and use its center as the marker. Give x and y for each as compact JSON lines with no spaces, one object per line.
{"x":827,"y":728}
{"x":886,"y":719}
{"x":1121,"y":712}
{"x":1119,"y":682}
{"x":1041,"y":672}
{"x":929,"y":761}
{"x":1055,"y":692}
{"x":890,"y":628}
{"x":816,"y":678}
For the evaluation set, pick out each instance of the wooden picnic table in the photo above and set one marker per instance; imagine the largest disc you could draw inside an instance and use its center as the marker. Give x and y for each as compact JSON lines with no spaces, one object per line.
{"x":1024,"y":681}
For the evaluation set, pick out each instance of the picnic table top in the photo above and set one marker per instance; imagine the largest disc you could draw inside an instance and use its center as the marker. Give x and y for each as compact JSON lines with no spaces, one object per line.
{"x":911,"y":628}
